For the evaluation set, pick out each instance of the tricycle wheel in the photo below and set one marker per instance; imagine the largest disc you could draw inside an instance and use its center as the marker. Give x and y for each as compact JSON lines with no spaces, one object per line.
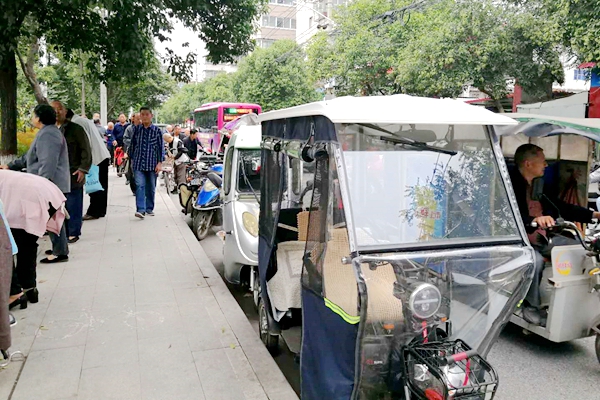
{"x":598,"y":346}
{"x":271,"y":341}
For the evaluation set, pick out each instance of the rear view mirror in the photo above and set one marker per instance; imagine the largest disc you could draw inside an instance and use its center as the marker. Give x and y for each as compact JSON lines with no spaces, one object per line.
{"x":419,"y":135}
{"x":537,"y":186}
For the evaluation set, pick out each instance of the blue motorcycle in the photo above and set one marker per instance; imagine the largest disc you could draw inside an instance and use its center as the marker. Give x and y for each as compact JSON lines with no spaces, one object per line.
{"x":206,"y":210}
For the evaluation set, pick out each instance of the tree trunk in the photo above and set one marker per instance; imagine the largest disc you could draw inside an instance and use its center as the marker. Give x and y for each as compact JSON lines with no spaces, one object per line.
{"x":29,"y":71}
{"x":8,"y":101}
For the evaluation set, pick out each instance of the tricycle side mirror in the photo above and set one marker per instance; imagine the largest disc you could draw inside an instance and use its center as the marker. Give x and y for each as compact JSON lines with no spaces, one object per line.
{"x":215,"y":179}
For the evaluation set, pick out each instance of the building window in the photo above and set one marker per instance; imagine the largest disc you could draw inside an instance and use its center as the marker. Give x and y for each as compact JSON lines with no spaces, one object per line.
{"x":278,"y":22}
{"x":265,"y":43}
{"x":582,"y":75}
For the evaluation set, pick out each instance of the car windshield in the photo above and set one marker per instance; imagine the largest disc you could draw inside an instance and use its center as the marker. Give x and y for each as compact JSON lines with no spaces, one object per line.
{"x":424,"y":184}
{"x":249,"y":171}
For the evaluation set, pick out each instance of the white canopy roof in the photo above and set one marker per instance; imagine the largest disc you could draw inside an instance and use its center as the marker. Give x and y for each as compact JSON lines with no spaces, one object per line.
{"x":592,"y":123}
{"x":396,"y":109}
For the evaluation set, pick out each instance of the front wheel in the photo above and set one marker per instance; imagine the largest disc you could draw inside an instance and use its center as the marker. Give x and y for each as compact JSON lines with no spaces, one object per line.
{"x":271,"y":342}
{"x":201,"y":223}
{"x":167,"y":180}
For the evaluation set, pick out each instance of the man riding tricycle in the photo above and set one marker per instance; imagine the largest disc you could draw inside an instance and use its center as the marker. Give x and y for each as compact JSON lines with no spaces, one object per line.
{"x":390,"y":243}
{"x":549,"y":171}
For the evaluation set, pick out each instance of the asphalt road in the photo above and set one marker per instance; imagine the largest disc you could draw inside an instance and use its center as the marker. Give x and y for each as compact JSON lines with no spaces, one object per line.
{"x":529,"y":367}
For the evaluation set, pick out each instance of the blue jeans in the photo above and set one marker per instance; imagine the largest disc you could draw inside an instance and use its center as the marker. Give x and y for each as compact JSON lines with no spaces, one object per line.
{"x":74,"y":205}
{"x":145,"y":191}
{"x":60,"y":245}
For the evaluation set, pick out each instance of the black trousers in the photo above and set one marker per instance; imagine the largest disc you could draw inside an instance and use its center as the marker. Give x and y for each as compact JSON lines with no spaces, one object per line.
{"x":24,"y":273}
{"x":99,"y":200}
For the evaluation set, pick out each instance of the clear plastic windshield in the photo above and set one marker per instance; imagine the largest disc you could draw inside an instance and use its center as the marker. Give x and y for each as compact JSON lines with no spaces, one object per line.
{"x":249,"y":171}
{"x":437,"y":185}
{"x":420,"y":302}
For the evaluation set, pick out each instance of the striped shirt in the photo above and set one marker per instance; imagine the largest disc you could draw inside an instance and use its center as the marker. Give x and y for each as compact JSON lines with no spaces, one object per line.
{"x":147,"y":148}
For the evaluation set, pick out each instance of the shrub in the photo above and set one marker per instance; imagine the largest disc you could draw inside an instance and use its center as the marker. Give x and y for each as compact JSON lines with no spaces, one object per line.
{"x":24,"y":140}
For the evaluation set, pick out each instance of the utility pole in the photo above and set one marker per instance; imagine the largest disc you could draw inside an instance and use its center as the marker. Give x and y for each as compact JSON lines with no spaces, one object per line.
{"x":82,"y":87}
{"x":330,"y":10}
{"x":103,"y":95}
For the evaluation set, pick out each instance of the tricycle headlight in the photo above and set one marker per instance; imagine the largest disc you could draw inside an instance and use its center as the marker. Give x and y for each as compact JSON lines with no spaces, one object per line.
{"x":250,"y":223}
{"x":425,"y":301}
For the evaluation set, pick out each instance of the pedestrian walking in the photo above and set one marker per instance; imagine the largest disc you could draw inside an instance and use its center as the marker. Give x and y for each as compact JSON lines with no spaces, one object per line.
{"x":101,"y":158}
{"x":99,"y":126}
{"x":146,"y":153}
{"x":109,"y":141}
{"x":135,"y":121}
{"x":48,"y":157}
{"x":118,"y":133}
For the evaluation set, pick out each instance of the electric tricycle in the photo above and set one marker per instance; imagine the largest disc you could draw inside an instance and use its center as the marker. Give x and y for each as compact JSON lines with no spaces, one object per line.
{"x":407,"y":258}
{"x":241,"y":191}
{"x":569,"y":284}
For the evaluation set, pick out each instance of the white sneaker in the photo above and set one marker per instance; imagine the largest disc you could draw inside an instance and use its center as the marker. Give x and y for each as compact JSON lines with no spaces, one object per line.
{"x":139,"y":215}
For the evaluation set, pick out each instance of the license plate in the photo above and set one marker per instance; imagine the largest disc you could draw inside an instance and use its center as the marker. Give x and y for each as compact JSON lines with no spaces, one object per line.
{"x":196,"y":182}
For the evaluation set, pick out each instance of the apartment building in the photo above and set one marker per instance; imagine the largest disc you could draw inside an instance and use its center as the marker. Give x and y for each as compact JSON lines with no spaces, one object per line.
{"x":279,"y":23}
{"x":313,"y":16}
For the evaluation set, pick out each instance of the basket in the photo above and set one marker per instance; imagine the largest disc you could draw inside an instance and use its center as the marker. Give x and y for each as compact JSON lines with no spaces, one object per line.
{"x":428,"y":374}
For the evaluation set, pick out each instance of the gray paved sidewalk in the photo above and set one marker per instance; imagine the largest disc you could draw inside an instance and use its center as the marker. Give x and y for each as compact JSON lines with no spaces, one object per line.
{"x":139,"y":312}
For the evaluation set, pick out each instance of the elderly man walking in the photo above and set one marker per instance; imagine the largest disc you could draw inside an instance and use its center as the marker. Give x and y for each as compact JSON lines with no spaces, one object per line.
{"x":80,"y":161}
{"x":101,"y":158}
{"x":147,"y":153}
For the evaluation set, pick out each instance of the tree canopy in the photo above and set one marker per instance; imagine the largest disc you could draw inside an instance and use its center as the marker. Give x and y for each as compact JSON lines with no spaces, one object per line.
{"x":385,"y":47}
{"x":275,"y":78}
{"x":117,"y":37}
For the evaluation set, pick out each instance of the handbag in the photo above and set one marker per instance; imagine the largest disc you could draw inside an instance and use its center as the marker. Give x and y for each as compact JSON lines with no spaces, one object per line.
{"x":92,"y":180}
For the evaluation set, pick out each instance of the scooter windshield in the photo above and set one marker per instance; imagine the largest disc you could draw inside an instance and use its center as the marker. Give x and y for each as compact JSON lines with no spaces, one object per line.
{"x":424,"y":185}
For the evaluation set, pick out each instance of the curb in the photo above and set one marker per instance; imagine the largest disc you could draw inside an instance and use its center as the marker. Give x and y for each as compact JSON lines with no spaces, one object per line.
{"x":270,"y":377}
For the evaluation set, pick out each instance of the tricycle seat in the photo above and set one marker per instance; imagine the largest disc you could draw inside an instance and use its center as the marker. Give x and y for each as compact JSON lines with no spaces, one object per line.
{"x":286,"y":285}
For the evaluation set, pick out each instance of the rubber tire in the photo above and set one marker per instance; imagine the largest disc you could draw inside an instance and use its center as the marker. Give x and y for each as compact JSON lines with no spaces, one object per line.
{"x":598,"y":347}
{"x":196,"y":221}
{"x":271,"y":342}
{"x":256,"y":293}
{"x":167,"y":181}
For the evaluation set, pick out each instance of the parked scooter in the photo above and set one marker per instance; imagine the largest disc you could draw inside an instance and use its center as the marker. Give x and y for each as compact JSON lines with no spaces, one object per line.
{"x":206,"y":210}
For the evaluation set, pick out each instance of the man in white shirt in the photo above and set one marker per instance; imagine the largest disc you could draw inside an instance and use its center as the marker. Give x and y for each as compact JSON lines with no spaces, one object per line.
{"x":101,"y":158}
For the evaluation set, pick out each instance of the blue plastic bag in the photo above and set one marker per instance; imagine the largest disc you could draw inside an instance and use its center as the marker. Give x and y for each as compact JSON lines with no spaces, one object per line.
{"x":92,"y":180}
